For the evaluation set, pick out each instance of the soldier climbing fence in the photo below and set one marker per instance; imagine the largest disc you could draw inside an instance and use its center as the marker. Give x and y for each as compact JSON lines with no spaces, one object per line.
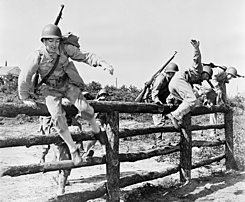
{"x":112,"y":158}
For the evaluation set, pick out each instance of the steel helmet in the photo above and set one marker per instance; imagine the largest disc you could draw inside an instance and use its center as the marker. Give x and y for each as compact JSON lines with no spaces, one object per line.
{"x":103,"y":91}
{"x":232,"y":71}
{"x":171,"y":67}
{"x":208,"y":70}
{"x":51,"y":31}
{"x":85,"y":93}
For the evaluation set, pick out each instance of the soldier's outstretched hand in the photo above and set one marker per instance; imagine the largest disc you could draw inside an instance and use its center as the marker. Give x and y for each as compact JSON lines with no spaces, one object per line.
{"x":195,"y":43}
{"x":107,"y":67}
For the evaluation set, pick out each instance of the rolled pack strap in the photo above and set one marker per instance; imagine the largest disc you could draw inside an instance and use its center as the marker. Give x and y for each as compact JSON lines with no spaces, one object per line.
{"x":44,"y":80}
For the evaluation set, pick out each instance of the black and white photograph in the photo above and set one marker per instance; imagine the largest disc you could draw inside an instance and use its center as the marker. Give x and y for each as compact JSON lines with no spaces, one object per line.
{"x":122,"y":101}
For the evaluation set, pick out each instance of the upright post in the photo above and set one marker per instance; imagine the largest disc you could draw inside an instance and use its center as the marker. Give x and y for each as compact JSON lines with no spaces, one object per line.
{"x":185,"y":150}
{"x":229,"y":151}
{"x":112,"y":158}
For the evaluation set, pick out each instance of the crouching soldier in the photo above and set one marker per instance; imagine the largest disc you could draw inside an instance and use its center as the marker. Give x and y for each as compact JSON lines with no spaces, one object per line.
{"x":60,"y":79}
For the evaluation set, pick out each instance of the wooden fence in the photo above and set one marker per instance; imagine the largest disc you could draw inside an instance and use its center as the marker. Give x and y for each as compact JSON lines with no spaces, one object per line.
{"x":112,"y":158}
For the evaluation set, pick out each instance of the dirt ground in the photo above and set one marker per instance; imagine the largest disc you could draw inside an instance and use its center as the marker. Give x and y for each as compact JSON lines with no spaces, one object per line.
{"x":208,"y":183}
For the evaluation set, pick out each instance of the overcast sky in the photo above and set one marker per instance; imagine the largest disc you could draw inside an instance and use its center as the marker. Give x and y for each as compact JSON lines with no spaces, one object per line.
{"x":136,"y":36}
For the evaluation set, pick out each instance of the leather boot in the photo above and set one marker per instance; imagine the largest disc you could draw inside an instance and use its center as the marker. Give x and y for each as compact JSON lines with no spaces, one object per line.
{"x":102,"y":137}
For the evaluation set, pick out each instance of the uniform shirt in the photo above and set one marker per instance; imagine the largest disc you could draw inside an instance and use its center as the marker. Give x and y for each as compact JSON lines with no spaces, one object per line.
{"x":193,"y":74}
{"x":219,"y":80}
{"x":160,"y":89}
{"x":41,"y":61}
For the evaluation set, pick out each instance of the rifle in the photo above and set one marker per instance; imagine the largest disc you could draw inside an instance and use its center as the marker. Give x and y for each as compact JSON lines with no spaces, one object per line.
{"x":36,"y":77}
{"x":212,"y":65}
{"x":147,"y":84}
{"x":59,"y":16}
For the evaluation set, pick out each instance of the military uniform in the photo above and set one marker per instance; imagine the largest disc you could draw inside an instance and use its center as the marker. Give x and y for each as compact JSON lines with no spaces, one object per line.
{"x":180,"y":86}
{"x":219,"y":80}
{"x":64,"y":82}
{"x":159,"y":94}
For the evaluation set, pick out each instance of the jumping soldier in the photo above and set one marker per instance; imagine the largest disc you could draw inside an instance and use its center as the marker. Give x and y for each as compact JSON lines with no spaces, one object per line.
{"x":181,"y":86}
{"x":63,"y":81}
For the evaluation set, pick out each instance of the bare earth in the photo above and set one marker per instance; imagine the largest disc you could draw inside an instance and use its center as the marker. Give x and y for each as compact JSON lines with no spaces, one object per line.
{"x":208,"y":184}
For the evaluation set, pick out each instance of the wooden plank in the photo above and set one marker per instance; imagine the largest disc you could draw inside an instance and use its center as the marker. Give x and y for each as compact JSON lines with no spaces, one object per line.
{"x":39,"y":139}
{"x":123,"y":157}
{"x":12,"y":109}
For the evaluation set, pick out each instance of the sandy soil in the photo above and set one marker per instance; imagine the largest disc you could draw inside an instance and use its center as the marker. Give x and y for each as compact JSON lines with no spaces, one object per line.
{"x":208,"y":184}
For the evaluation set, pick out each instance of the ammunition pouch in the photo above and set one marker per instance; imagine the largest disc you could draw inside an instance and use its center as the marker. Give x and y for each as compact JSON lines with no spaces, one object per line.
{"x":58,"y":82}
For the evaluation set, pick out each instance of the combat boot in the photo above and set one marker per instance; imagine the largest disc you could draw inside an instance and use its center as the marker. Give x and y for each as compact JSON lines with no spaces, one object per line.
{"x":102,"y":137}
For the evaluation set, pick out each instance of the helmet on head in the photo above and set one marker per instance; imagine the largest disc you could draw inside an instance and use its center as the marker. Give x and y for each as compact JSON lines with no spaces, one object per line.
{"x":51,"y":31}
{"x":171,"y":67}
{"x":232,"y":71}
{"x":103,"y":91}
{"x":208,"y":70}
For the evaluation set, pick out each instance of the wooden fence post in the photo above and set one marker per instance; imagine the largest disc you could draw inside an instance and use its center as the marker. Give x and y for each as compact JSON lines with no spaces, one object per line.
{"x":185,"y":149}
{"x":230,"y":161}
{"x":112,"y":158}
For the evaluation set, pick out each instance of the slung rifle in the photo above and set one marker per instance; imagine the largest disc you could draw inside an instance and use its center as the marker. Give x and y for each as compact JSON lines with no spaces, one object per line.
{"x":148,"y":84}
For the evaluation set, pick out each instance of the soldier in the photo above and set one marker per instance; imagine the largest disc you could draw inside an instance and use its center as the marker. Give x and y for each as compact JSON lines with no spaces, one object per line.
{"x":221,"y":76}
{"x":181,"y":86}
{"x":61,"y":151}
{"x":160,"y":91}
{"x":102,"y":95}
{"x":64,"y":81}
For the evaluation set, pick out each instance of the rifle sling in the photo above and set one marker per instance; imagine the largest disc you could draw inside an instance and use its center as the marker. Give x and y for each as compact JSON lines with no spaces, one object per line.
{"x":49,"y":73}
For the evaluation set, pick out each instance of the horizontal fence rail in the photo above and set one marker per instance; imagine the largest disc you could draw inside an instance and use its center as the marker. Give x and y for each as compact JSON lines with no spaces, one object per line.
{"x":12,"y":110}
{"x":14,"y":171}
{"x":39,"y":139}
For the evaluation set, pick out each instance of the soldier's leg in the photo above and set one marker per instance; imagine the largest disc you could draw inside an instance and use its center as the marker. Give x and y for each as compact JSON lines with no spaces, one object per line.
{"x":184,"y":91}
{"x":88,"y":148}
{"x":45,"y":150}
{"x":158,"y":120}
{"x":63,"y":154}
{"x":60,"y":124}
{"x":74,"y":94}
{"x":213,"y":121}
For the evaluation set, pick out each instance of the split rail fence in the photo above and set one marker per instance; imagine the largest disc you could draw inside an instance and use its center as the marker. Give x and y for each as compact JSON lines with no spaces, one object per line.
{"x":112,"y":159}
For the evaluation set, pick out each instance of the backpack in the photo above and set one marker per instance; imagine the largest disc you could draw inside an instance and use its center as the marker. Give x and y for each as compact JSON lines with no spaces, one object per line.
{"x":71,"y":39}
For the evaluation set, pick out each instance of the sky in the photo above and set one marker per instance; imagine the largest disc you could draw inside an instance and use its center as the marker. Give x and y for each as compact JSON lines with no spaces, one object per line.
{"x":136,"y":36}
